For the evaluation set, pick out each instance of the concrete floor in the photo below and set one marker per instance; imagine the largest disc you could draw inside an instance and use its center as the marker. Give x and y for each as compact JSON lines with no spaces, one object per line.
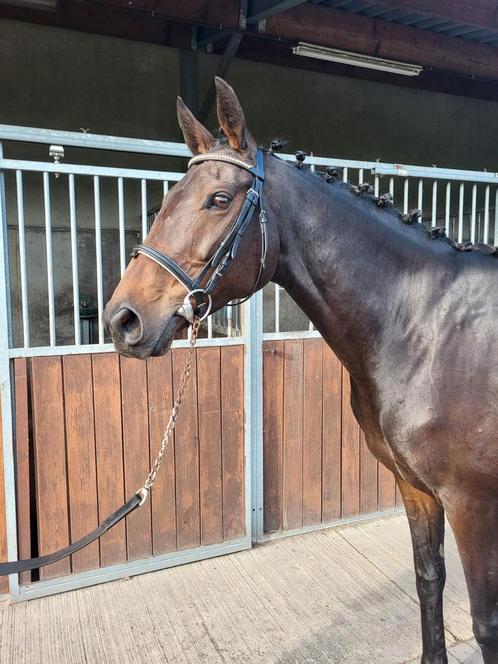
{"x":338,"y":596}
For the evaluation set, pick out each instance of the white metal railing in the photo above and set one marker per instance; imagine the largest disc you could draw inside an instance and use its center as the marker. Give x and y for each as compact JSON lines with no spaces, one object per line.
{"x":464,"y":202}
{"x":225,"y":324}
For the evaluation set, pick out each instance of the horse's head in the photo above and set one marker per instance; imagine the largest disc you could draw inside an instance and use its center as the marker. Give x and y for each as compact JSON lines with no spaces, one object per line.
{"x":148,"y":306}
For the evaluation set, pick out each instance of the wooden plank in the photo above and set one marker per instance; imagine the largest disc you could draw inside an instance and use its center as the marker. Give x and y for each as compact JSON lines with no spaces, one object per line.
{"x":22,"y":450}
{"x":368,"y":478}
{"x":332,"y":433}
{"x":293,"y":435}
{"x":319,"y":24}
{"x":136,"y":453}
{"x":159,"y":383}
{"x":273,"y":405}
{"x":4,"y":581}
{"x":387,"y":488}
{"x":109,"y":452}
{"x":232,"y":423}
{"x":210,"y":457}
{"x":50,"y":461}
{"x":350,"y":453}
{"x":312,"y":431}
{"x":186,"y":458}
{"x":81,"y":466}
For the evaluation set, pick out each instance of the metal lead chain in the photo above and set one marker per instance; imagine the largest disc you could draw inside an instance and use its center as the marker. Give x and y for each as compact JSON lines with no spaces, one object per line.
{"x":151,"y":477}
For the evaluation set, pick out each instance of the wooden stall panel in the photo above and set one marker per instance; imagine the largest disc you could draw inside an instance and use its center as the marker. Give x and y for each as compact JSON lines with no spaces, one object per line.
{"x":109,"y":452}
{"x":232,"y":424}
{"x":81,"y":466}
{"x":273,"y":420}
{"x":136,"y":453}
{"x":317,"y":466}
{"x":293,"y":435}
{"x":187,"y":458}
{"x":160,"y":390}
{"x":312,"y":431}
{"x":50,"y":461}
{"x":210,"y":452}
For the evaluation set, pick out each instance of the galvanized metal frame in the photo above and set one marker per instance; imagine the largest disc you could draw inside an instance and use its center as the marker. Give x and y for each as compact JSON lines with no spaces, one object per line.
{"x":6,"y":390}
{"x":131,"y":568}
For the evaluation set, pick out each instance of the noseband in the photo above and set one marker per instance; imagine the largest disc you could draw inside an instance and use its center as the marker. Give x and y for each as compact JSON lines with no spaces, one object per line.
{"x":198,"y":300}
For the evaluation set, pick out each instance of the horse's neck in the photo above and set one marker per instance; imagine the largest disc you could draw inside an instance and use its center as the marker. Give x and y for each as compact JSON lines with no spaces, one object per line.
{"x":340,"y":260}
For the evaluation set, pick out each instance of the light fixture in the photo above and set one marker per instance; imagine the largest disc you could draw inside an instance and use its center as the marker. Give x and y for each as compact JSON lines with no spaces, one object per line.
{"x":356,"y":59}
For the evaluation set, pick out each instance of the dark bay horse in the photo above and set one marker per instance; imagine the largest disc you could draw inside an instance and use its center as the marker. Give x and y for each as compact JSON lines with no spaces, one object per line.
{"x":414,"y":321}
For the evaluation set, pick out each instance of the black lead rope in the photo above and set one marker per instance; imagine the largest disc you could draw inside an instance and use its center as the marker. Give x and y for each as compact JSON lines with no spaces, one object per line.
{"x":18,"y":566}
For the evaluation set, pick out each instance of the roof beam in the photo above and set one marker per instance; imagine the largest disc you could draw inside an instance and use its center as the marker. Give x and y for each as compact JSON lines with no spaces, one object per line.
{"x":480,"y":13}
{"x":260,"y":10}
{"x":322,"y":25}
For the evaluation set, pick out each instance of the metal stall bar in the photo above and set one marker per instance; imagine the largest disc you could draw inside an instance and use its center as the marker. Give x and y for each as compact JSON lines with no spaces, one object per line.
{"x":74,"y":261}
{"x":420,"y":200}
{"x":98,"y":257}
{"x":473,"y":228}
{"x":101,"y":171}
{"x":121,"y":223}
{"x":435,"y":173}
{"x":9,"y":477}
{"x":277,"y":308}
{"x":143,"y":198}
{"x":95,"y":141}
{"x":253,"y":396}
{"x":22,"y":258}
{"x":447,"y":208}
{"x":405,"y":195}
{"x":50,"y":262}
{"x":461,"y":195}
{"x":485,"y":237}
{"x":434,"y":203}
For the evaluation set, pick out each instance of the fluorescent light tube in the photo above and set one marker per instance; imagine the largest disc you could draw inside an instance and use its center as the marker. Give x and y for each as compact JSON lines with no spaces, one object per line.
{"x":356,"y":59}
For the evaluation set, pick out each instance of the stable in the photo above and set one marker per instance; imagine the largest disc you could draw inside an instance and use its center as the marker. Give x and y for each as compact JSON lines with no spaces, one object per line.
{"x":402,"y":95}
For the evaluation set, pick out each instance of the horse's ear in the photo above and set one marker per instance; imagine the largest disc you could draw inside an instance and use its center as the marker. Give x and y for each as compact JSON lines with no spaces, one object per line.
{"x":231,"y":117}
{"x":196,"y":136}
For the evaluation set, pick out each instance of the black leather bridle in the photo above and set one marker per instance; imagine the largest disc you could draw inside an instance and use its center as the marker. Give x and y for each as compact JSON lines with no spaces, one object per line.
{"x":202,"y":285}
{"x":198,"y":300}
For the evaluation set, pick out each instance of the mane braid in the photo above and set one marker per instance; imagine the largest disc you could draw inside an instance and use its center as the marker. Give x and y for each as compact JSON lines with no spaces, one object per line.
{"x":384,"y":203}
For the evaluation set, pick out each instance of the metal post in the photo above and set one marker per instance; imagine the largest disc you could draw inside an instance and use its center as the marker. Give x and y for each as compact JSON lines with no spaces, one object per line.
{"x":253,"y":397}
{"x":6,"y":389}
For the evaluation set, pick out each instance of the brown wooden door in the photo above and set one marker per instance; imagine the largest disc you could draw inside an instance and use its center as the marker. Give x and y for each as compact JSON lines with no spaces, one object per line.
{"x":87,"y":428}
{"x":317,"y":468}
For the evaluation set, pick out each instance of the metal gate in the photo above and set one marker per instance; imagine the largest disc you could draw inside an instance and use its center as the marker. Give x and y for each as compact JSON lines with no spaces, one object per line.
{"x":269,"y":445}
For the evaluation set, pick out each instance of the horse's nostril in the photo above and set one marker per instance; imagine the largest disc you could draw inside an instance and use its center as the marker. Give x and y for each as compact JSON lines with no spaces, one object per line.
{"x":127,"y":324}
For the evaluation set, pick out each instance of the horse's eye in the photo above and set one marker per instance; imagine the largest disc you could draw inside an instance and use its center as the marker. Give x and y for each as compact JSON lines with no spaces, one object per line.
{"x":220,"y":200}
